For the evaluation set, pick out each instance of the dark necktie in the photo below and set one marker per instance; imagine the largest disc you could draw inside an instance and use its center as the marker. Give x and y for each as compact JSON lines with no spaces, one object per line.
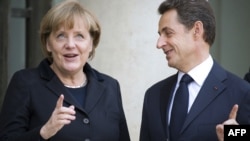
{"x":180,"y":107}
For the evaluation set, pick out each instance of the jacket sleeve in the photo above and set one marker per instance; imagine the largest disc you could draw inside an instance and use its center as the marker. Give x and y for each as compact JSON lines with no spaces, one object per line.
{"x":15,"y":113}
{"x":124,"y":133}
{"x":144,"y":133}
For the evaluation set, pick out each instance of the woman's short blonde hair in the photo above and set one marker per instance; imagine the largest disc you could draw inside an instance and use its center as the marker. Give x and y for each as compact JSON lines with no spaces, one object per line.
{"x":65,"y":13}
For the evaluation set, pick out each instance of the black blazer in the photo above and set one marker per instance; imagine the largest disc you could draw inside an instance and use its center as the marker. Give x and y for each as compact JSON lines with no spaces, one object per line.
{"x":31,"y":97}
{"x":220,"y":91}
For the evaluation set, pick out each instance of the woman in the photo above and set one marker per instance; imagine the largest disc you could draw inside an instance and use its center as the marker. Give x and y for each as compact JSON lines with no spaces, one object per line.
{"x":64,"y":99}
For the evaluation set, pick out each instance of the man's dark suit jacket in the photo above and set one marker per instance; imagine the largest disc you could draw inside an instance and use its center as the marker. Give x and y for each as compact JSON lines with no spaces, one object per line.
{"x":31,"y":98}
{"x":247,"y":76}
{"x":221,"y":90}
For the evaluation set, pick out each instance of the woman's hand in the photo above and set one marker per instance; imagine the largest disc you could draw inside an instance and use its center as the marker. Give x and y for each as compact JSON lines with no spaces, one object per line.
{"x":61,"y":116}
{"x":230,"y":121}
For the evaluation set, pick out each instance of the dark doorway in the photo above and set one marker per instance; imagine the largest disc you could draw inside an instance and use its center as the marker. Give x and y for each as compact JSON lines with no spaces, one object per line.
{"x":19,"y":38}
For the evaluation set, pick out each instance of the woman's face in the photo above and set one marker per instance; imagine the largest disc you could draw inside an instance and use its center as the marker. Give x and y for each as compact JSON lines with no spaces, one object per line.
{"x":70,"y":48}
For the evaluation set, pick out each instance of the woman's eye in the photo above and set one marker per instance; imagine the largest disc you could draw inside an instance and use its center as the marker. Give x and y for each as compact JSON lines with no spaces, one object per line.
{"x":60,"y":36}
{"x":80,"y":36}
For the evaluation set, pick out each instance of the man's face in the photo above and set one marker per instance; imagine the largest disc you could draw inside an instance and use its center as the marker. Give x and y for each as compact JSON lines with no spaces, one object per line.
{"x":176,"y":41}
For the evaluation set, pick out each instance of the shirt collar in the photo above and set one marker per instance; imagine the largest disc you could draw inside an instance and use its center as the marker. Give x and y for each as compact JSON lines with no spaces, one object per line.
{"x":200,"y":72}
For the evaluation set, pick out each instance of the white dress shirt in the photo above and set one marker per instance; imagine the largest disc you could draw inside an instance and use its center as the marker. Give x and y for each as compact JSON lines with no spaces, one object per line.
{"x":199,"y":74}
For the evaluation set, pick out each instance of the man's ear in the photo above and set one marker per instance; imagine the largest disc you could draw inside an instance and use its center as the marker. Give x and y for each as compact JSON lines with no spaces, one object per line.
{"x":198,"y":29}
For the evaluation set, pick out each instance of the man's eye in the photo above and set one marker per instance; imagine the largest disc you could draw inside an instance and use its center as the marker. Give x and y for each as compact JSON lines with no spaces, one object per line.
{"x":169,"y":33}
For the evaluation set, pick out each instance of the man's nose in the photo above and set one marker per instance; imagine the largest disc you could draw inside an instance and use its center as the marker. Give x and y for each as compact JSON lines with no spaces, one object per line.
{"x":161,"y":42}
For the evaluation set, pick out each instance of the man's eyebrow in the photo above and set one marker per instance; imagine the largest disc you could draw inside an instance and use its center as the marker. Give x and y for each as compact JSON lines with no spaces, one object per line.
{"x":164,"y":30}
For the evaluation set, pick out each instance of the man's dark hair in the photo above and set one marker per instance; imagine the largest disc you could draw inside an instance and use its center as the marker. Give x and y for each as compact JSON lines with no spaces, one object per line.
{"x":190,"y":11}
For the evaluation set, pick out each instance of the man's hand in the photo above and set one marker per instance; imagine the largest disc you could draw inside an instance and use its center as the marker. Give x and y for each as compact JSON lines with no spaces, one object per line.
{"x":230,"y":121}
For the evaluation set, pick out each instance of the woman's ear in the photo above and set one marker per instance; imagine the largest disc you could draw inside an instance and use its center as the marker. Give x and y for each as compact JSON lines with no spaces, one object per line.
{"x":48,"y":46}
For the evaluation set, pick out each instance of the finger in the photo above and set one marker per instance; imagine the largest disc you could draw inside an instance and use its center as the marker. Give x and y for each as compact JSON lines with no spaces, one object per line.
{"x":230,"y":122}
{"x":220,"y":132}
{"x":66,"y":111}
{"x":59,"y":103}
{"x":233,"y":113}
{"x":220,"y":128}
{"x":72,"y":107}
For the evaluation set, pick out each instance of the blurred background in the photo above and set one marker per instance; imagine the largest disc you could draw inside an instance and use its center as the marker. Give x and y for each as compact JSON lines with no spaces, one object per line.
{"x":127,"y":50}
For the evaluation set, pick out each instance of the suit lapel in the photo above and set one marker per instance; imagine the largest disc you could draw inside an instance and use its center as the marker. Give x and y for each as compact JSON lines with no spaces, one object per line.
{"x":165,"y":97}
{"x":57,"y":87}
{"x":94,"y":87}
{"x":95,"y":90}
{"x":54,"y":84}
{"x":212,"y":87}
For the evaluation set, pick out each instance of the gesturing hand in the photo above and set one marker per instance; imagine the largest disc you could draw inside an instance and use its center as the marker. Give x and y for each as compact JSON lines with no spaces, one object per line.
{"x":230,"y":121}
{"x":60,"y":117}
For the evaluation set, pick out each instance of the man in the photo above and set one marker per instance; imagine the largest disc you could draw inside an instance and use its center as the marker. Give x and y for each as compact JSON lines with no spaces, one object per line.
{"x":186,"y":34}
{"x":232,"y":116}
{"x":247,"y":76}
{"x":230,"y":121}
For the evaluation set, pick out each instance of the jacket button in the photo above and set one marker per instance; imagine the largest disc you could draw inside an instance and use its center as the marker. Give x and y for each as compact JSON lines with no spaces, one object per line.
{"x":87,"y":139}
{"x":86,"y":121}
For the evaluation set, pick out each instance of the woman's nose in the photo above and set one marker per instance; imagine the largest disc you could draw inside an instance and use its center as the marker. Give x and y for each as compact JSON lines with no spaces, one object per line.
{"x":71,"y":42}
